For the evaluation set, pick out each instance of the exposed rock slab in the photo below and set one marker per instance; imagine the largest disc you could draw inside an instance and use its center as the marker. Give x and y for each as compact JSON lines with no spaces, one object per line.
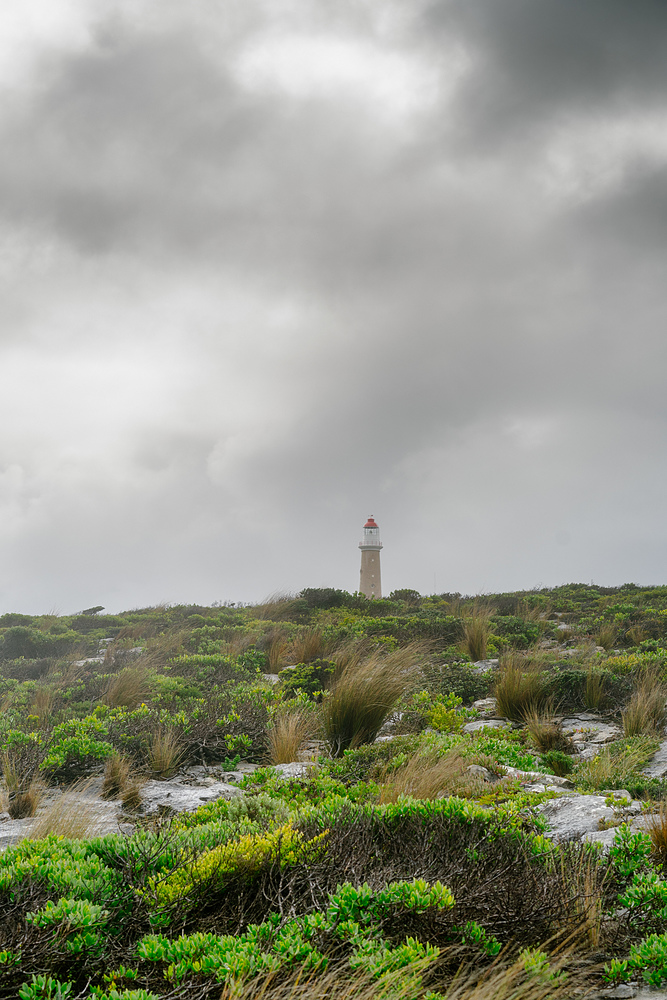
{"x":574,"y":817}
{"x":477,"y":724}
{"x":657,"y":766}
{"x":296,"y":769}
{"x":177,"y":796}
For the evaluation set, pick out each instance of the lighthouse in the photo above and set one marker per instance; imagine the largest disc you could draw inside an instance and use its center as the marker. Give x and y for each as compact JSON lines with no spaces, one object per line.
{"x":370,"y":545}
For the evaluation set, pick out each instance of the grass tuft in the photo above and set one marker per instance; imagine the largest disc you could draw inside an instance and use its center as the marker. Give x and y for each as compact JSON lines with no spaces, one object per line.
{"x":287,"y":734}
{"x":131,"y":795}
{"x":116,"y":776}
{"x":309,"y":645}
{"x":520,"y":688}
{"x":24,"y":788}
{"x":71,"y":815}
{"x":476,"y":632}
{"x":363,"y":695}
{"x":545,"y":733}
{"x":656,"y":827}
{"x":128,"y":688}
{"x":166,"y":754}
{"x":645,"y":713}
{"x":616,"y":764}
{"x":431,"y":776}
{"x":594,"y":689}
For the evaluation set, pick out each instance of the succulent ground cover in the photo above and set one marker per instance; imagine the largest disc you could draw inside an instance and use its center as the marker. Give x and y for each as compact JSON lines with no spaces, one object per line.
{"x":403,"y":863}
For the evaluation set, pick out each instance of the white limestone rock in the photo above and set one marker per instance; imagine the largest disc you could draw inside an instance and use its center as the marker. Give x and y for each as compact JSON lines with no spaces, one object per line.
{"x":296,"y":769}
{"x":477,"y":724}
{"x":657,"y":766}
{"x":176,"y":796}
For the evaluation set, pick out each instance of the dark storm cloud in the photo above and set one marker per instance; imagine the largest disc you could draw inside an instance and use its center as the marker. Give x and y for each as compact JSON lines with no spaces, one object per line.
{"x":534,"y":61}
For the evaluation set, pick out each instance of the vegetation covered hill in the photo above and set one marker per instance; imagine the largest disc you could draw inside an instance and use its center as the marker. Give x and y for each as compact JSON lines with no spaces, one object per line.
{"x":404,"y":862}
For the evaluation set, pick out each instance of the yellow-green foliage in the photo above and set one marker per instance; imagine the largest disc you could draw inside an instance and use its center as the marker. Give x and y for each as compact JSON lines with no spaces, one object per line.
{"x":240,"y":857}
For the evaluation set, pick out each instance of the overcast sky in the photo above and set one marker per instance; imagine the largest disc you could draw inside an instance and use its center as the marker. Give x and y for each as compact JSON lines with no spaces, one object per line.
{"x":270,"y":266}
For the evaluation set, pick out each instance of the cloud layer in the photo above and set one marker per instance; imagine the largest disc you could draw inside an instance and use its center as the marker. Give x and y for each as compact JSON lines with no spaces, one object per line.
{"x":273,"y":268}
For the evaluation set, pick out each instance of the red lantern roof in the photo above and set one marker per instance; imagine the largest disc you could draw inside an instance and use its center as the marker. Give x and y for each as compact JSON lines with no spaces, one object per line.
{"x":370,"y":523}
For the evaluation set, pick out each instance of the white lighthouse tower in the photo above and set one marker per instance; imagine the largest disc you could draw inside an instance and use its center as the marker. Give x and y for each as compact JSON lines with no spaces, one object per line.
{"x":369,"y":582}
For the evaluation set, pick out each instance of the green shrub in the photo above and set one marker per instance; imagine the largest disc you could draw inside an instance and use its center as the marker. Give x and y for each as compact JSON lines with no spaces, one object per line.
{"x":311,"y":679}
{"x":75,"y":749}
{"x":556,"y":762}
{"x":457,"y":678}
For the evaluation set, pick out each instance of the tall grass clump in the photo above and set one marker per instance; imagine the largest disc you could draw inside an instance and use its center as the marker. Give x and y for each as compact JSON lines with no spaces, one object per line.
{"x":116,"y":776}
{"x":128,"y":688}
{"x":309,"y":645}
{"x":21,"y":777}
{"x":42,"y":705}
{"x":476,"y":632}
{"x":656,"y":827}
{"x":545,"y":733}
{"x":166,"y":754}
{"x":287,"y":734}
{"x":645,"y":713}
{"x":606,"y":637}
{"x":520,"y":687}
{"x":594,"y":689}
{"x":364,"y":694}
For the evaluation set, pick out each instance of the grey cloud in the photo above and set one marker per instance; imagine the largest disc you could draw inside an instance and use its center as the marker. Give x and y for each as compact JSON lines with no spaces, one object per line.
{"x":472,"y":359}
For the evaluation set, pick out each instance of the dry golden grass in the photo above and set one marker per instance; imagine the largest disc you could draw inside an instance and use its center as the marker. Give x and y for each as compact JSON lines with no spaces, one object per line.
{"x":519,"y":687}
{"x":276,"y":647}
{"x":277,"y":607}
{"x":24,"y":803}
{"x":585,"y":891}
{"x":164,"y":647}
{"x":363,"y":695}
{"x":42,"y":704}
{"x":349,"y":656}
{"x":116,"y":776}
{"x":24,"y":788}
{"x":425,"y":776}
{"x":613,"y":766}
{"x":129,"y":688}
{"x":476,"y":631}
{"x":637,"y":634}
{"x":71,"y":815}
{"x":309,"y":645}
{"x":645,"y":713}
{"x":131,"y":795}
{"x":166,"y":754}
{"x":499,"y":981}
{"x":287,"y":734}
{"x":656,"y":827}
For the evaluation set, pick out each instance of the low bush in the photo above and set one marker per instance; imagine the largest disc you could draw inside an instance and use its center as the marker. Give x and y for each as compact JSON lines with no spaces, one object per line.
{"x":460,"y":679}
{"x":311,"y":679}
